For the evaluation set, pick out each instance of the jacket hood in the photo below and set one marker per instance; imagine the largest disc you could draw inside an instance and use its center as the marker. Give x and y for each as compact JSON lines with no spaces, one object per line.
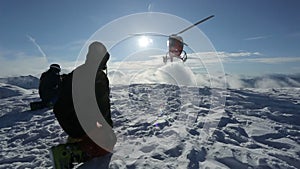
{"x":95,"y":53}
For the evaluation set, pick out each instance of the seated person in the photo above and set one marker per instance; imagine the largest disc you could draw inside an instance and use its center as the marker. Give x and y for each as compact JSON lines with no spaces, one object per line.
{"x":49,"y":85}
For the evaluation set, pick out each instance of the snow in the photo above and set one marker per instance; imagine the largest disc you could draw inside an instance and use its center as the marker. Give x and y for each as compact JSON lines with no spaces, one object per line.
{"x":166,"y":126}
{"x":26,"y":82}
{"x":7,"y":90}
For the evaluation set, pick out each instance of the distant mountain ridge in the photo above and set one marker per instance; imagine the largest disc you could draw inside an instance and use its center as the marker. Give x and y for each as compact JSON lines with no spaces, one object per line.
{"x":264,"y":81}
{"x":25,"y":82}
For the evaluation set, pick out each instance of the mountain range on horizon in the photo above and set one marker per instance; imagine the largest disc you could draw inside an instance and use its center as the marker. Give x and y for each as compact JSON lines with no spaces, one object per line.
{"x":264,"y":81}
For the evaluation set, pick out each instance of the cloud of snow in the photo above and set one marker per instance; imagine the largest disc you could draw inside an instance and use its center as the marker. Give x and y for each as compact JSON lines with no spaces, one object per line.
{"x":268,"y":83}
{"x":173,"y":73}
{"x":180,"y":74}
{"x":235,"y":81}
{"x":276,"y":82}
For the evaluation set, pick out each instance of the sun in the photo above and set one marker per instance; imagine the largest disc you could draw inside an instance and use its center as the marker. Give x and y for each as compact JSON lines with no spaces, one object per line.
{"x":144,"y":41}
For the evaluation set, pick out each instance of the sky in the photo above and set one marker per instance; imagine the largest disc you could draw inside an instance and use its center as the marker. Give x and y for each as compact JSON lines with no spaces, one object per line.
{"x":250,"y":37}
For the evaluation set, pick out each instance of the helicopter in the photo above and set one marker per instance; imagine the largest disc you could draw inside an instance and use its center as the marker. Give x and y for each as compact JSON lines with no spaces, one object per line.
{"x":176,"y":44}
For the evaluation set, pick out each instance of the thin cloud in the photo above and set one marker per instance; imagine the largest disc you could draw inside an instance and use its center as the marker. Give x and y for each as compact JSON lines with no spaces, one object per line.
{"x":214,"y":57}
{"x":217,"y":57}
{"x":294,"y":34}
{"x":16,"y":63}
{"x":237,"y":54}
{"x":37,"y":45}
{"x":22,"y":65}
{"x":257,"y":38}
{"x":74,"y":45}
{"x":225,"y":54}
{"x":275,"y":60}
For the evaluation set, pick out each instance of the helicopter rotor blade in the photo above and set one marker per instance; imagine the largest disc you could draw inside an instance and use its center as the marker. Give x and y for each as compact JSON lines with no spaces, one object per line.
{"x":148,"y":34}
{"x":195,"y":24}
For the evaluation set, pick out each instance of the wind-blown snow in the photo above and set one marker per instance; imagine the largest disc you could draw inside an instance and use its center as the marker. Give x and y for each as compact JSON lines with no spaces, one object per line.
{"x":174,"y":73}
{"x":164,"y":126}
{"x":178,"y":73}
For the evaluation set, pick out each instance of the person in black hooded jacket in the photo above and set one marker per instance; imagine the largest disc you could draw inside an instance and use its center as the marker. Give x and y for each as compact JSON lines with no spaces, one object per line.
{"x":64,"y":108}
{"x":49,"y":85}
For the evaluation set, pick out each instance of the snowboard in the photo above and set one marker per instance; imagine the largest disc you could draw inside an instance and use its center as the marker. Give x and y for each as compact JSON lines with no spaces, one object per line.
{"x":74,"y":152}
{"x":67,"y":156}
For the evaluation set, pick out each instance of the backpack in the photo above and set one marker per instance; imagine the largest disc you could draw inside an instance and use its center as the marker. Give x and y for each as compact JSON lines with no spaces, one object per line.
{"x":64,"y":107}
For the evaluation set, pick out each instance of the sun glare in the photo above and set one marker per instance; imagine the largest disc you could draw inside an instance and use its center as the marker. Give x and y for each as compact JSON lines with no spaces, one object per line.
{"x":144,"y":41}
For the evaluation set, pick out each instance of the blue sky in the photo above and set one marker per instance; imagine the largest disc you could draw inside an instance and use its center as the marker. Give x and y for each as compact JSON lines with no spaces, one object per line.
{"x":253,"y":37}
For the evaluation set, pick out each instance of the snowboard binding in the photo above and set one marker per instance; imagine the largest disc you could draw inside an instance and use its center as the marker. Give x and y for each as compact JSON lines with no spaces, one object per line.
{"x":66,"y":156}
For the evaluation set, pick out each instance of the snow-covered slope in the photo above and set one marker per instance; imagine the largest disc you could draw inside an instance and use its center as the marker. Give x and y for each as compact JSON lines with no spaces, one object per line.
{"x":7,"y":90}
{"x":26,"y":82}
{"x":166,"y":126}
